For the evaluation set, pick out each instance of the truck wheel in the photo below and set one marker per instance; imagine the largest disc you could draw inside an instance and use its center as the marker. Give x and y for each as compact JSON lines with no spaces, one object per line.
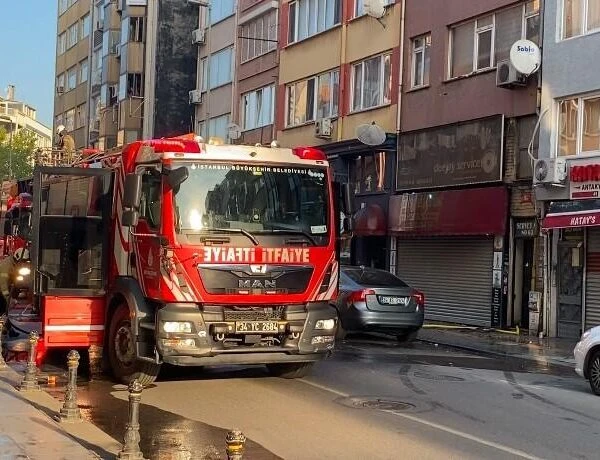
{"x":290,"y":370}
{"x":121,"y":351}
{"x":593,"y":372}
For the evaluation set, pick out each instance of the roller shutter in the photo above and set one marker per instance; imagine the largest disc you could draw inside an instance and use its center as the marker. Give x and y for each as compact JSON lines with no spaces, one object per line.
{"x":455,"y":274}
{"x":592,"y":283}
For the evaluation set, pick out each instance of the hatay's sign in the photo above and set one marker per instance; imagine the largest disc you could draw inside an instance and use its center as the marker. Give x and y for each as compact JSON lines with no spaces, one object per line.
{"x":584,"y":180}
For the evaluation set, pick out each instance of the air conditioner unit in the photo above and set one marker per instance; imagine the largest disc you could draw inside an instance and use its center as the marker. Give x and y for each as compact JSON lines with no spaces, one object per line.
{"x":323,"y":128}
{"x":507,"y":76}
{"x":60,"y":89}
{"x":198,"y":37}
{"x":196,"y":97}
{"x":100,"y":24}
{"x":550,"y":171}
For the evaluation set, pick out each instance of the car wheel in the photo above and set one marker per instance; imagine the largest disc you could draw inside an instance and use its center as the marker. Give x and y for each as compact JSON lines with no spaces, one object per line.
{"x":290,"y":370}
{"x":121,"y":353}
{"x":407,"y":337}
{"x":593,"y":372}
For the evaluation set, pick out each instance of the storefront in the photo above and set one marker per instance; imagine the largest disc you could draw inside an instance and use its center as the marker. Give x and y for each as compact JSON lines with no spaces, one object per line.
{"x":452,"y":246}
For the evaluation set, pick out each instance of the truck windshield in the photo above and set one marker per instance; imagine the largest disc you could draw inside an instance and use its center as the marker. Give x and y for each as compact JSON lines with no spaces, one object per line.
{"x":259,"y":199}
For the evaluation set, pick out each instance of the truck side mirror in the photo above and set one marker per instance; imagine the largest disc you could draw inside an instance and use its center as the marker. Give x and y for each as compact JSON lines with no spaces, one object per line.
{"x":130,"y":218}
{"x":132,"y":192}
{"x":176,"y":177}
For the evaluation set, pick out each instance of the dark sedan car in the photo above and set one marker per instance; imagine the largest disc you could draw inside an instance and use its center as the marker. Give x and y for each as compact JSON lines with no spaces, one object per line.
{"x":376,"y":300}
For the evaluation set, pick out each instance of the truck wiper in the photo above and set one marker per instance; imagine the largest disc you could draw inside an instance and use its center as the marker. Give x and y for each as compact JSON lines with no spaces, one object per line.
{"x":241,"y":231}
{"x":289,"y":231}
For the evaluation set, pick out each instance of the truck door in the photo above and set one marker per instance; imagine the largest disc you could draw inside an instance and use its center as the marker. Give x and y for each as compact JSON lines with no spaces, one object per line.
{"x":70,"y":241}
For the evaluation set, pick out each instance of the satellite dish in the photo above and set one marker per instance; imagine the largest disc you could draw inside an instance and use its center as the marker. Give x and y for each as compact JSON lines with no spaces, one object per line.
{"x":234,"y":132}
{"x":374,"y":8}
{"x":371,"y":134}
{"x":525,"y":56}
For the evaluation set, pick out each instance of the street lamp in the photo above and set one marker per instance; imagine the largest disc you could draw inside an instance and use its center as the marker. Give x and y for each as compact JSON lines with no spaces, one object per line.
{"x":207,"y":5}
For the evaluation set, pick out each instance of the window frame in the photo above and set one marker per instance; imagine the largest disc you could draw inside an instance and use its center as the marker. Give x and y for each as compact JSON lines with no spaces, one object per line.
{"x":583,"y":24}
{"x":382,"y":102}
{"x":244,"y":108}
{"x":226,"y":15}
{"x":61,"y":44}
{"x":83,"y":76}
{"x":68,"y":77}
{"x":266,"y":47}
{"x":423,"y":49}
{"x":211,"y":69}
{"x":293,"y":29}
{"x":73,"y":28}
{"x":313,"y":119}
{"x":83,"y":28}
{"x":580,"y":99}
{"x":525,"y":17}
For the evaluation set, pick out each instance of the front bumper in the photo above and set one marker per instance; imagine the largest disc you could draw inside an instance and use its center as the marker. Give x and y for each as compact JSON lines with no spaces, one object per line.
{"x":580,"y":352}
{"x":355,"y":319}
{"x":297,"y":340}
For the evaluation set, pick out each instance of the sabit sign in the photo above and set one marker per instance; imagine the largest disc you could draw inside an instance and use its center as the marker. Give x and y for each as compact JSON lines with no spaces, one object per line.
{"x":584,"y":182}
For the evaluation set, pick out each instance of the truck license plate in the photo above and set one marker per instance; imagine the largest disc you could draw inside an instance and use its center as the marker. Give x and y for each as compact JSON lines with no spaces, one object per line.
{"x":256,"y":326}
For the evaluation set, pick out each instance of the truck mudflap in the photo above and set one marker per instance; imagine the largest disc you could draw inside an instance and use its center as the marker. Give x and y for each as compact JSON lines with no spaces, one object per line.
{"x":192,"y":335}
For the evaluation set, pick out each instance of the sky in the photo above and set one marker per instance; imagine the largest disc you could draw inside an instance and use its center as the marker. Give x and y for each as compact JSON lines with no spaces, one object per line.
{"x":27,"y":53}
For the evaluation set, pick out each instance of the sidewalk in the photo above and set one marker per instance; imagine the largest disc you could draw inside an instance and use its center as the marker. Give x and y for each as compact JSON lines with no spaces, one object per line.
{"x":28,"y":430}
{"x":544,"y":351}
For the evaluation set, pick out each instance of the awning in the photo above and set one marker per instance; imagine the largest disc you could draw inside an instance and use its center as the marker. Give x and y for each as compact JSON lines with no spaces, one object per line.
{"x":370,"y":221}
{"x":354,"y":147}
{"x":569,"y":214}
{"x":476,"y":211}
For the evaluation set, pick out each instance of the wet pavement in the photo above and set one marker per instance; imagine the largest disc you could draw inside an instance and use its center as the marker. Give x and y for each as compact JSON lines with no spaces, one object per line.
{"x":372,"y":399}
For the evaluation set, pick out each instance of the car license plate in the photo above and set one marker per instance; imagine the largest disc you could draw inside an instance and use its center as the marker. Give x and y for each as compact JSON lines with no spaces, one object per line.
{"x":392,"y":300}
{"x":256,"y":326}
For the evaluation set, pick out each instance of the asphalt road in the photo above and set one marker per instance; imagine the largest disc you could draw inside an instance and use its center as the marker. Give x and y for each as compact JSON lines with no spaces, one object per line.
{"x":374,"y":399}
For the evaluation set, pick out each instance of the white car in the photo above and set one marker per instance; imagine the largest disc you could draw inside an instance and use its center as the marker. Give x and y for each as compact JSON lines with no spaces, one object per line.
{"x":587,"y":358}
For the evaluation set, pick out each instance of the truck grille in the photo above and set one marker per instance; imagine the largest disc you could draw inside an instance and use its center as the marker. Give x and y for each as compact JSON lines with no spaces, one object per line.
{"x":254,"y":314}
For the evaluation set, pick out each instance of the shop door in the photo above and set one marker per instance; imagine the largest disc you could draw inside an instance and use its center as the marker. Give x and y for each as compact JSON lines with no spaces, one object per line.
{"x":570,"y":288}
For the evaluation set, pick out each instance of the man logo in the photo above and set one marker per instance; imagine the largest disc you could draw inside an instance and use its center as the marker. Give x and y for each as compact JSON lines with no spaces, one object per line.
{"x":257,"y":284}
{"x":258,"y":269}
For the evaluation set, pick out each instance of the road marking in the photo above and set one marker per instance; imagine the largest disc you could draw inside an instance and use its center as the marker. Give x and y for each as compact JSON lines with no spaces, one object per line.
{"x":437,"y":426}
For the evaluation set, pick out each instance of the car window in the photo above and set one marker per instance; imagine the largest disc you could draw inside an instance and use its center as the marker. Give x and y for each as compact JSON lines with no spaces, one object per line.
{"x":370,"y":277}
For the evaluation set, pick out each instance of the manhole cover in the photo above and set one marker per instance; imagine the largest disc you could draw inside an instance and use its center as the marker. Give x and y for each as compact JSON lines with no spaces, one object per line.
{"x":377,"y":404}
{"x":445,"y":378}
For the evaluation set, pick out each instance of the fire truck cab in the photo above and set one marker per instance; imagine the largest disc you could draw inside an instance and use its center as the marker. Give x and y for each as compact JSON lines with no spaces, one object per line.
{"x":182,"y":252}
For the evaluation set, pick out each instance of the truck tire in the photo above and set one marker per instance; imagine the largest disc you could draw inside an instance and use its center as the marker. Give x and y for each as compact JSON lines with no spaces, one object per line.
{"x":121,"y":351}
{"x":290,"y":370}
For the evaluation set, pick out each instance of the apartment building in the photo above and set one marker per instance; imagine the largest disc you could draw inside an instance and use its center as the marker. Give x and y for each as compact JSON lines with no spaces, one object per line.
{"x":17,"y":115}
{"x":567,"y":179}
{"x":74,"y":27}
{"x":338,"y":71}
{"x":462,"y":216}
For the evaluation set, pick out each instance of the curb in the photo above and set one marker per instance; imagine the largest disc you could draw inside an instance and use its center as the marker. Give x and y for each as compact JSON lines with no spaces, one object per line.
{"x":484,"y":351}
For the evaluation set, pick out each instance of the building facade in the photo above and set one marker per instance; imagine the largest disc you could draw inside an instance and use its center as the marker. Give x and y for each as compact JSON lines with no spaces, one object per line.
{"x":567,"y":180}
{"x":339,"y":81}
{"x":462,"y":219}
{"x":16,"y":116}
{"x":74,"y":28}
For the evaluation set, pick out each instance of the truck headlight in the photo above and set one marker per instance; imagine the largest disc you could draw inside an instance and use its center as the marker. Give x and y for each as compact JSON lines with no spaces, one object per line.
{"x":177,"y":326}
{"x":24,"y":271}
{"x":325,"y":324}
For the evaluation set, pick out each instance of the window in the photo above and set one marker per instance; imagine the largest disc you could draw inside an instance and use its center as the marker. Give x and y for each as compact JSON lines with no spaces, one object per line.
{"x":580,"y":17}
{"x":60,"y":84}
{"x":481,"y":43}
{"x":204,"y":74}
{"x":221,"y":10}
{"x":62,"y":6}
{"x":81,"y":116}
{"x":85,"y":26}
{"x":372,"y":82}
{"x":70,"y":120}
{"x":259,"y":36}
{"x":72,"y":78}
{"x":312,"y":99}
{"x":220,"y":68}
{"x":257,"y":108}
{"x":579,"y":126}
{"x":367,"y":173}
{"x":217,"y":127}
{"x":150,"y":200}
{"x":136,"y":29}
{"x":359,"y":6}
{"x":135,"y":87}
{"x":72,"y":35}
{"x":61,"y":44}
{"x":83,"y":71}
{"x":310,"y":17}
{"x":420,"y":61}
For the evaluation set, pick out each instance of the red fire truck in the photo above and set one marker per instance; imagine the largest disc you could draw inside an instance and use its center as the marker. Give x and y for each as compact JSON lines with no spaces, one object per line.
{"x":189,"y":253}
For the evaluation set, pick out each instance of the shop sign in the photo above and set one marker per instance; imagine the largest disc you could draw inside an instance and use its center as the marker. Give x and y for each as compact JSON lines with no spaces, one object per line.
{"x":526,"y":228}
{"x":584,"y":181}
{"x":451,"y":155}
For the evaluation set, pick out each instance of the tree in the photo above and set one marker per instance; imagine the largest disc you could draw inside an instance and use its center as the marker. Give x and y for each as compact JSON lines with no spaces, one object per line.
{"x":16,"y":154}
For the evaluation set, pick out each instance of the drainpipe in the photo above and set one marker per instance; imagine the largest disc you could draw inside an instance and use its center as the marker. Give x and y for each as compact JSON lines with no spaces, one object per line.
{"x":401,"y":76}
{"x":234,"y":80}
{"x":343,"y":92}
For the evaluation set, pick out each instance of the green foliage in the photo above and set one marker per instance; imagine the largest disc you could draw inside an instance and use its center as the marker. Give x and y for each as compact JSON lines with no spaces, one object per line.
{"x":16,"y":154}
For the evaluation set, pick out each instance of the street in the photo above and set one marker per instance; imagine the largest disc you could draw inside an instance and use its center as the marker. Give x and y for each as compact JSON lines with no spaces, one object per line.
{"x":374,"y":399}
